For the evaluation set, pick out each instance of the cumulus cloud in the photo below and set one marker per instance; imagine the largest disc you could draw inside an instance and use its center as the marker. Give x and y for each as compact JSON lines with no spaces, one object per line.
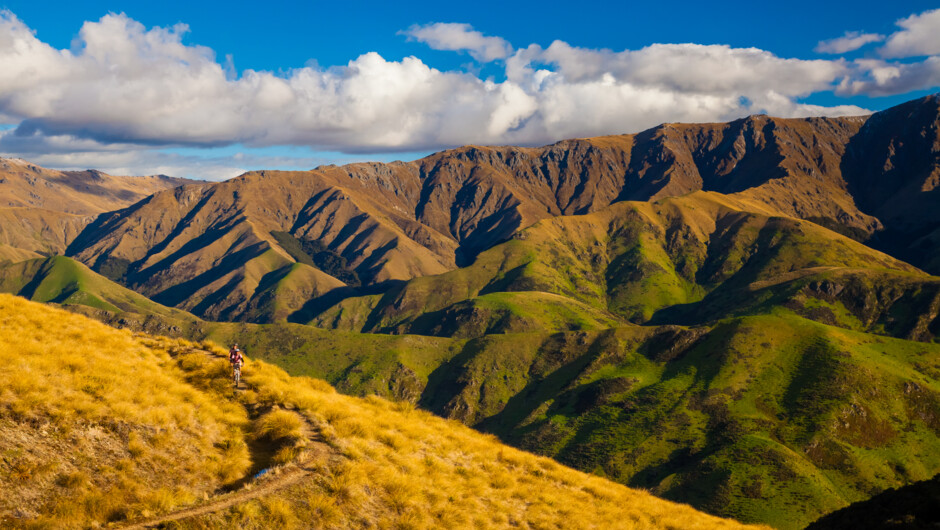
{"x":128,"y":84}
{"x":692,"y":68}
{"x":851,"y":41}
{"x":124,"y":90}
{"x":919,"y":36}
{"x":460,"y":37}
{"x":881,"y":78}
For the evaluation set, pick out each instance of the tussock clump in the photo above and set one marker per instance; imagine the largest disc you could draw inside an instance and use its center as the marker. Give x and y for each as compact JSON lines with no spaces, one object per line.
{"x":278,"y":425}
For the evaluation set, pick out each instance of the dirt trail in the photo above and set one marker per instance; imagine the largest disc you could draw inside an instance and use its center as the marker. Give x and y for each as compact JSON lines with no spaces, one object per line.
{"x":284,"y":478}
{"x":275,"y":479}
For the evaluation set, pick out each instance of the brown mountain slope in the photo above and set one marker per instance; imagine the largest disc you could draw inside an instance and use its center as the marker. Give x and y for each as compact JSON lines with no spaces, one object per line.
{"x":43,"y":210}
{"x":38,"y":230}
{"x":400,"y":220}
{"x":76,"y":192}
{"x":632,"y":259}
{"x":894,"y":168}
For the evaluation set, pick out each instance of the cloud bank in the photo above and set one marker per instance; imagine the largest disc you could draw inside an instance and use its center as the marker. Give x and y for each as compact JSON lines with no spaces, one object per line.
{"x":123,"y":87}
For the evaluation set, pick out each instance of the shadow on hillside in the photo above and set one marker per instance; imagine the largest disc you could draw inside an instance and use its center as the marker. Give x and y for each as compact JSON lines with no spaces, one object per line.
{"x":316,"y":306}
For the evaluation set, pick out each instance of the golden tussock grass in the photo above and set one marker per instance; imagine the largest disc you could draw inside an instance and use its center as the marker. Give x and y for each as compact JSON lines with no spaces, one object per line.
{"x":144,"y":425}
{"x":278,"y":425}
{"x":398,"y":467}
{"x":124,"y":431}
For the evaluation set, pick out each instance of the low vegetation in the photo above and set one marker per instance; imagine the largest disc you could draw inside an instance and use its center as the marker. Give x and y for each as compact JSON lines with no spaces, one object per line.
{"x":634,"y":262}
{"x":96,"y":425}
{"x":101,"y":426}
{"x":776,"y":419}
{"x":312,"y":252}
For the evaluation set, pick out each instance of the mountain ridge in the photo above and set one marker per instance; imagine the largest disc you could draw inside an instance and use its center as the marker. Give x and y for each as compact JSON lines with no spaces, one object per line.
{"x":402,"y":220}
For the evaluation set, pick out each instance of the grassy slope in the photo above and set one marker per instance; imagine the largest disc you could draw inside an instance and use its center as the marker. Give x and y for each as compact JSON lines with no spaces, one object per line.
{"x":62,"y":280}
{"x":65,"y":281}
{"x":550,"y":393}
{"x":101,"y":425}
{"x":763,"y":418}
{"x":285,"y":291}
{"x":631,"y":260}
{"x":680,"y":411}
{"x":894,"y":303}
{"x":770,"y":418}
{"x":95,"y":425}
{"x":13,"y":254}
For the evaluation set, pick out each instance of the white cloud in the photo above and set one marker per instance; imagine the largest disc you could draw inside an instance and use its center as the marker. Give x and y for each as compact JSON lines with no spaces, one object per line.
{"x":460,"y":37}
{"x":919,"y":36}
{"x":880,"y":78}
{"x":125,"y":90}
{"x":694,"y":68}
{"x":851,"y":41}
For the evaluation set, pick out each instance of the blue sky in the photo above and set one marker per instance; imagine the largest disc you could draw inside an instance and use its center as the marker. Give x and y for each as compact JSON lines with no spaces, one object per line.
{"x":294,"y":85}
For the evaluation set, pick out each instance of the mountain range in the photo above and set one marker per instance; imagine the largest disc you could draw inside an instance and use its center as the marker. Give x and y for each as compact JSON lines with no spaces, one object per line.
{"x":741,"y":316}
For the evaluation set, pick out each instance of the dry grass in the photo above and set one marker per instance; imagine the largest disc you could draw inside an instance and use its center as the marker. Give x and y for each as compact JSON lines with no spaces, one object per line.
{"x":405,"y":468}
{"x":278,"y":425}
{"x":103,"y":427}
{"x":152,"y":424}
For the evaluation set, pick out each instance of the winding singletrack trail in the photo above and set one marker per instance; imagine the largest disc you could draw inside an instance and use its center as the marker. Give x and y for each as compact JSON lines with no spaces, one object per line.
{"x":284,"y":478}
{"x":274,"y":480}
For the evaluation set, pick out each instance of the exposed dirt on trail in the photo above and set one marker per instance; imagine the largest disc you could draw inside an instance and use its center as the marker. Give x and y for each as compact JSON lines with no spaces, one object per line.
{"x":279,"y":478}
{"x":252,"y":487}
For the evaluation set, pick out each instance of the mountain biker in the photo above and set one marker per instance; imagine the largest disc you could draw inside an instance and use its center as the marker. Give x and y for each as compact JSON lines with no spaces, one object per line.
{"x":236,"y":359}
{"x":233,"y":352}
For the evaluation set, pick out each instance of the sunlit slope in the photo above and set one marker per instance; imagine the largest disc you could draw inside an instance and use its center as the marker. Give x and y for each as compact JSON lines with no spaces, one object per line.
{"x":181,"y":247}
{"x":631,"y":260}
{"x":99,"y":425}
{"x":43,"y":210}
{"x":887,"y":302}
{"x":11,"y":254}
{"x":871,"y":178}
{"x":766,"y":419}
{"x":62,"y":280}
{"x":89,"y":192}
{"x":40,"y":231}
{"x":65,"y":281}
{"x":834,"y":414}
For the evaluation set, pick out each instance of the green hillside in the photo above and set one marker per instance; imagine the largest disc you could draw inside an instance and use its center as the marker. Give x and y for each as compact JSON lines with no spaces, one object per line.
{"x":886,"y":302}
{"x":104,"y":428}
{"x":64,"y":281}
{"x":688,"y":260}
{"x":775,"y":419}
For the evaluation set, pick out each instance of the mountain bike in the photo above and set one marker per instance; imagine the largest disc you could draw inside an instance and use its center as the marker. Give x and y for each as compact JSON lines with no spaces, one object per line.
{"x":236,"y":373}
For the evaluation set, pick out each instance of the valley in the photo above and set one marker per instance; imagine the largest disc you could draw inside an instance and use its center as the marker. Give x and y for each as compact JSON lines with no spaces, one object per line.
{"x":741,"y":317}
